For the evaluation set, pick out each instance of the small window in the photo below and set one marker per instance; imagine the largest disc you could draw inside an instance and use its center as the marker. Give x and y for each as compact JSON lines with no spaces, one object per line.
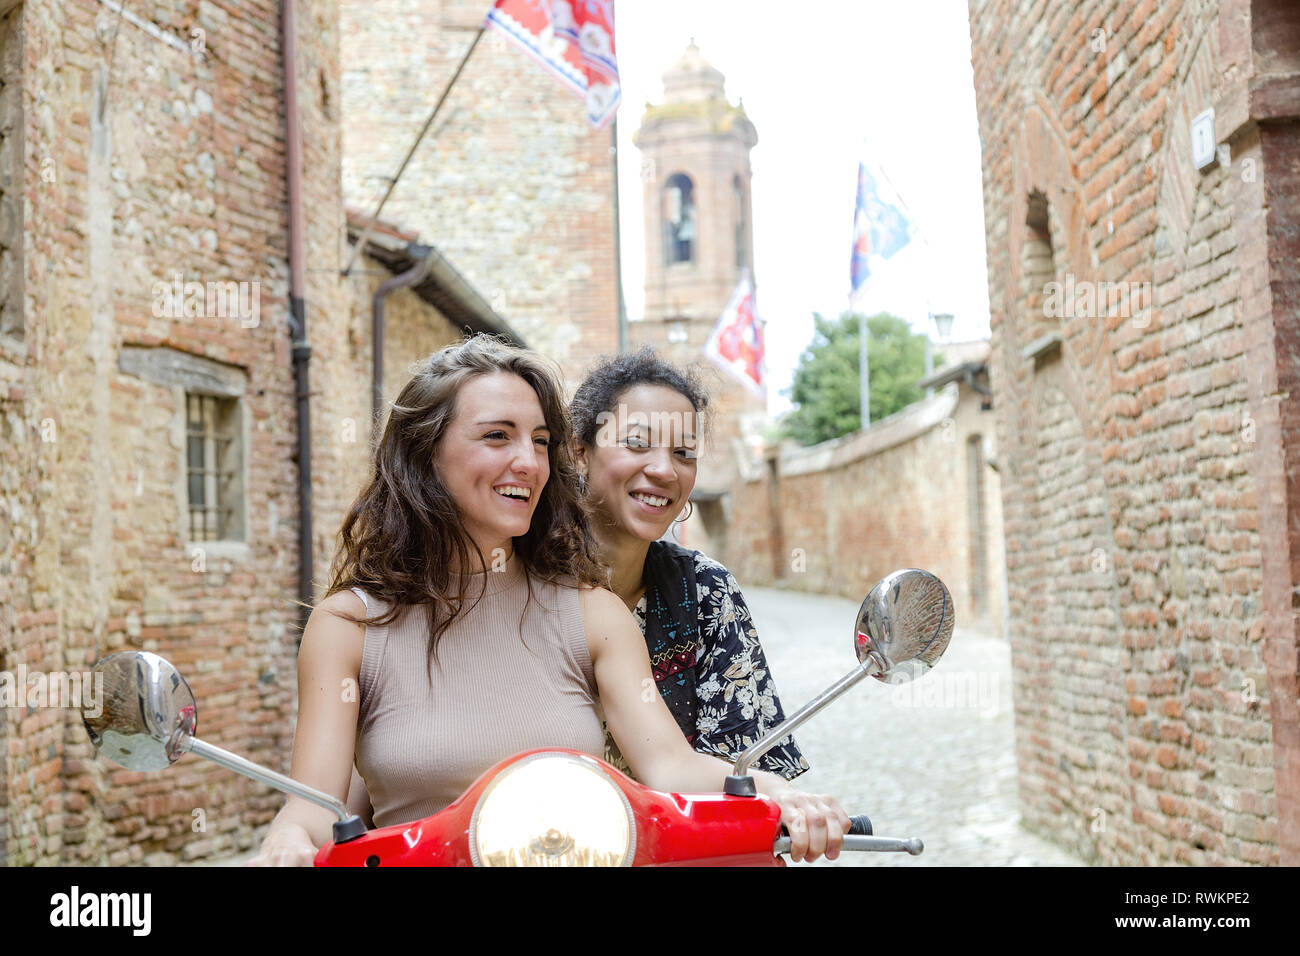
{"x":679,"y":219}
{"x":214,"y":471}
{"x":1037,"y":268}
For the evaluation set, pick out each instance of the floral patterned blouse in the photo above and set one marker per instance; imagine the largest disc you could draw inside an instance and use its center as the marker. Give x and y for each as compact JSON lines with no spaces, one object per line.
{"x":735,"y":696}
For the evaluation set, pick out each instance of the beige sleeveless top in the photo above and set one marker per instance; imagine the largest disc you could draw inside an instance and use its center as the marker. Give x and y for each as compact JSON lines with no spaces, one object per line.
{"x":506,"y":679}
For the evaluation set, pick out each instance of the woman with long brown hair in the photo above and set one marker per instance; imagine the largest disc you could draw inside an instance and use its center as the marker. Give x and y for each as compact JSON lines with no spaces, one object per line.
{"x":464,"y":620}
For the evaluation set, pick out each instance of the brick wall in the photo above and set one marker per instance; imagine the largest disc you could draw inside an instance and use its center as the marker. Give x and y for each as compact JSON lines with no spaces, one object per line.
{"x":133,"y":173}
{"x":1256,"y":117}
{"x":341,"y":403}
{"x":837,"y":517}
{"x":510,"y":183}
{"x":1143,"y":700}
{"x":155,"y":147}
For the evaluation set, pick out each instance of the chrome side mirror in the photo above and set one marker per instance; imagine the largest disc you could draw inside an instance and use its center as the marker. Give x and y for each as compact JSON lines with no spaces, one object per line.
{"x":148,"y":720}
{"x":904,"y":625}
{"x":147,"y":715}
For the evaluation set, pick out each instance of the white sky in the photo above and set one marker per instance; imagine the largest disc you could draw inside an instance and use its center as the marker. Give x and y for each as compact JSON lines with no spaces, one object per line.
{"x":826,"y":81}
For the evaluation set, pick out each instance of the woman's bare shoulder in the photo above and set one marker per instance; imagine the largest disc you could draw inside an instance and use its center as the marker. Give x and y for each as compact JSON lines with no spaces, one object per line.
{"x":344,"y":604}
{"x":606,"y":620}
{"x":336,"y":627}
{"x":597,"y":600}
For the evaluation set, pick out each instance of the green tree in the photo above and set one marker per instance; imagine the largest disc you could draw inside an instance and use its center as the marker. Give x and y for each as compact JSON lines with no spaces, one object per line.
{"x":825,"y":389}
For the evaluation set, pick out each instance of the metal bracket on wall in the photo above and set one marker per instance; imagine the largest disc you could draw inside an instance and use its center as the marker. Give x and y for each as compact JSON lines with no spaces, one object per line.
{"x":1043,"y":349}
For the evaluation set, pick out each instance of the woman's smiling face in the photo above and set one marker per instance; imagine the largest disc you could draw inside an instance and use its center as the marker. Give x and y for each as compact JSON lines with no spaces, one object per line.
{"x":641,"y":468}
{"x":494,"y":458}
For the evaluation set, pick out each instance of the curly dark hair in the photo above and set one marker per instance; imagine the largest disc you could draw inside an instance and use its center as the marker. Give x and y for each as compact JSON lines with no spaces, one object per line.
{"x":610,"y":377}
{"x":404,"y":533}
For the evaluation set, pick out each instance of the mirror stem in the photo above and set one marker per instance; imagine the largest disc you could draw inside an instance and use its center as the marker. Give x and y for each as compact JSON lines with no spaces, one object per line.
{"x":269,"y":777}
{"x":787,"y":726}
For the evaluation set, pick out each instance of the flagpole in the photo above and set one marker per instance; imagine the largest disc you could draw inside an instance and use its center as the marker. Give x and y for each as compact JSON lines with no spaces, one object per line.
{"x":864,"y":375}
{"x":864,"y":372}
{"x":365,"y":235}
{"x":864,"y":380}
{"x":618,"y":248}
{"x":929,"y":306}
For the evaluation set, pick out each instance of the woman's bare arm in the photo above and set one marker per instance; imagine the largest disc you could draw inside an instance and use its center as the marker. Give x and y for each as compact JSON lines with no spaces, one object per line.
{"x":654,"y":746}
{"x":329,"y":669}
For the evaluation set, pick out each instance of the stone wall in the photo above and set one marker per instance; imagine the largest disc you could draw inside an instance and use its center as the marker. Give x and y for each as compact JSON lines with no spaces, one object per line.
{"x":413,"y":329}
{"x":151,"y":148}
{"x":1129,"y":443}
{"x":837,"y":517}
{"x":510,"y":183}
{"x":104,"y":560}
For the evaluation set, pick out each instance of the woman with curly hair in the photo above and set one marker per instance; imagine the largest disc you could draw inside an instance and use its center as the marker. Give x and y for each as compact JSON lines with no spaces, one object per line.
{"x":638,"y":422}
{"x":464,"y":620}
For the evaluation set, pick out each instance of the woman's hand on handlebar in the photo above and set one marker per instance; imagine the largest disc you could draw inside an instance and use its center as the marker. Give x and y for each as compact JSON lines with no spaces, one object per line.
{"x":816,"y":823}
{"x":286,"y":845}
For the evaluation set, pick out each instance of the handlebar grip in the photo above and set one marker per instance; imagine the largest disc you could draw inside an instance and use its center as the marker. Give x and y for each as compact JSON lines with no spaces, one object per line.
{"x":861,"y":825}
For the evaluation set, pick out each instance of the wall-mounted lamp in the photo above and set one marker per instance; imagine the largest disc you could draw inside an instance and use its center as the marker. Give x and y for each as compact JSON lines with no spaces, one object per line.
{"x":943,"y":324}
{"x":678,"y":328}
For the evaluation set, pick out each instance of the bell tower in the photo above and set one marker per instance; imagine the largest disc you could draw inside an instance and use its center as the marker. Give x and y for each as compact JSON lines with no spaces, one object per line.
{"x":695,"y":176}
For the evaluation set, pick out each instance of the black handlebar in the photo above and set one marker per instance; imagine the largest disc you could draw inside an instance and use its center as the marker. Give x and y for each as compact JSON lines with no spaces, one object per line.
{"x":862,"y":837}
{"x":861,"y":825}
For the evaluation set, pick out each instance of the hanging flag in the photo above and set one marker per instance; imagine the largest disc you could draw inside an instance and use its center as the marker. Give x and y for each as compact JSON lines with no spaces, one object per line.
{"x":879,"y":229}
{"x":736,"y":343}
{"x":574,"y":39}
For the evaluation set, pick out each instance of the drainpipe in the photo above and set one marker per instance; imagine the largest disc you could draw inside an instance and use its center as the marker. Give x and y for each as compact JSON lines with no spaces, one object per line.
{"x":411,"y":277}
{"x":618,"y":247}
{"x":297,"y":305}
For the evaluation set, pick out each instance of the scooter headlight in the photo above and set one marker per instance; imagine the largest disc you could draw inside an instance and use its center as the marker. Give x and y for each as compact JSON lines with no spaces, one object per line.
{"x":552,"y":810}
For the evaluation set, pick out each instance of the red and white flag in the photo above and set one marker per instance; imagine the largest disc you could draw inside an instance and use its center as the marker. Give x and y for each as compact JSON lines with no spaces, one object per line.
{"x":574,"y":39}
{"x":736,"y":343}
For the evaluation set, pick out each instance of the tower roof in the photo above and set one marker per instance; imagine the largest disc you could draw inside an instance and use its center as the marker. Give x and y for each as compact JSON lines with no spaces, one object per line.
{"x":692,"y":79}
{"x":693,"y":90}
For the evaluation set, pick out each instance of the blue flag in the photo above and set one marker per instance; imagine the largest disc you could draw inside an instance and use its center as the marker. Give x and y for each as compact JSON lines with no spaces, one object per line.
{"x":879,"y":229}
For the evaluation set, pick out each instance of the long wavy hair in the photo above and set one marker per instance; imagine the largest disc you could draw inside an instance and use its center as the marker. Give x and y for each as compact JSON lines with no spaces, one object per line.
{"x":404,"y":534}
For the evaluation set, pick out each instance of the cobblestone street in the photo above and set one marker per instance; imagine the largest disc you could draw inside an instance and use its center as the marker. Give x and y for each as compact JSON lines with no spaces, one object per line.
{"x":934,"y":759}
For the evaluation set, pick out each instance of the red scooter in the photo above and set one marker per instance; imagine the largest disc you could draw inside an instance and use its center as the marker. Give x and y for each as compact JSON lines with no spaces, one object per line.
{"x":551,"y":807}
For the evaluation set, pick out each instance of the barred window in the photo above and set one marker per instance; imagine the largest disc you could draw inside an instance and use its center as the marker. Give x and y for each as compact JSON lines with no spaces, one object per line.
{"x":214,"y":467}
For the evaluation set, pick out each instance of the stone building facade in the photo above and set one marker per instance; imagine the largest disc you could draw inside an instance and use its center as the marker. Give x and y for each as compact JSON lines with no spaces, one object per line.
{"x":149,"y":147}
{"x":918,"y":489}
{"x":511,"y":183}
{"x":148,"y":463}
{"x":1144,"y":287}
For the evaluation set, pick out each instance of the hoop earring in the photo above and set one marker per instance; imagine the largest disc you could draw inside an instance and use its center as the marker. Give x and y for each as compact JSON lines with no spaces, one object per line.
{"x":690,"y":510}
